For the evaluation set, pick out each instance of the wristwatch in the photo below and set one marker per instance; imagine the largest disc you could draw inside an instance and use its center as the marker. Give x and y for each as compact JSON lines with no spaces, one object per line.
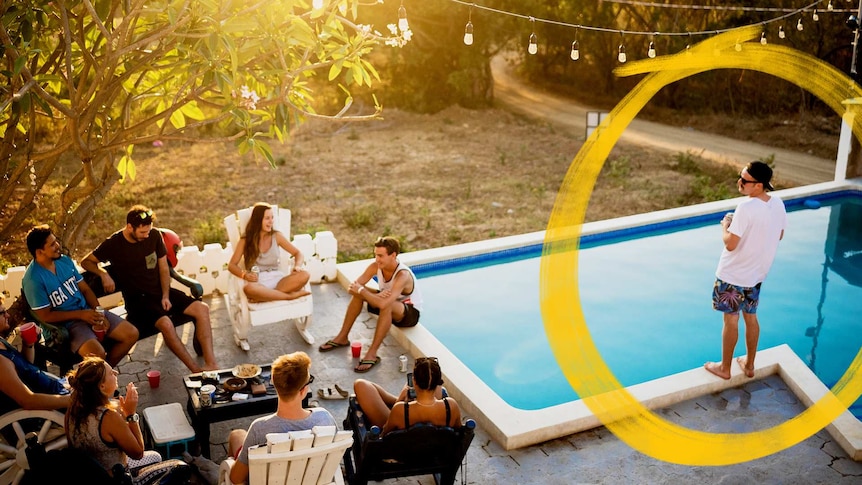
{"x":133,"y":418}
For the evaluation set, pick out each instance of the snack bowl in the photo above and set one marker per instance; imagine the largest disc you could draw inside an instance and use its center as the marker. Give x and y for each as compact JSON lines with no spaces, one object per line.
{"x":246,"y":371}
{"x":234,"y":384}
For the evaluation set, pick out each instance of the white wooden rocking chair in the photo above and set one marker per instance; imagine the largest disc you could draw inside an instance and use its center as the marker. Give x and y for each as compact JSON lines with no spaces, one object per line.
{"x":309,"y":457}
{"x":245,"y":314}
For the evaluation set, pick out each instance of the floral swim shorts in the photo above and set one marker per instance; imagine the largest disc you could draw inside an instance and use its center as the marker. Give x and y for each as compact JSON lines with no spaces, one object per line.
{"x":728,"y":298}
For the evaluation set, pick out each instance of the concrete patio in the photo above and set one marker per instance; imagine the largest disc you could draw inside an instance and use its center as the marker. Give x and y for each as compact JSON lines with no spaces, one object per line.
{"x":595,"y":456}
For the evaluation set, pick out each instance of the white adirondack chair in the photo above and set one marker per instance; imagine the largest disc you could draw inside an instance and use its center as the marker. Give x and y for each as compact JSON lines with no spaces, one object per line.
{"x":245,"y":314}
{"x":309,"y":457}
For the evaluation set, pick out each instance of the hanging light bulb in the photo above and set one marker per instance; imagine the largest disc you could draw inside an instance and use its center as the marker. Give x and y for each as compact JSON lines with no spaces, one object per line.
{"x":468,"y":33}
{"x":763,"y":38}
{"x":576,"y":50}
{"x":533,"y":47}
{"x":402,"y":18}
{"x":781,"y":33}
{"x":468,"y":29}
{"x":317,"y":4}
{"x":621,"y":52}
{"x":799,"y":25}
{"x":814,"y":16}
{"x":830,"y":7}
{"x":651,"y":50}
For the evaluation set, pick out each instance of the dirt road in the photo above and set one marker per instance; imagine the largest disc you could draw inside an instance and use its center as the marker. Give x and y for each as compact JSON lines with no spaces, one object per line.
{"x":799,"y":168}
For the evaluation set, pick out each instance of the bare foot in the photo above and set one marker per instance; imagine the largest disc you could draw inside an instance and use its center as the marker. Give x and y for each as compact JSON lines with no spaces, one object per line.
{"x":715,"y":368}
{"x":743,"y":364}
{"x":293,"y":295}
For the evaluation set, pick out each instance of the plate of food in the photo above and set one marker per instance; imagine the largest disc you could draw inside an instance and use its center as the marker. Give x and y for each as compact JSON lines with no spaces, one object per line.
{"x":246,"y":371}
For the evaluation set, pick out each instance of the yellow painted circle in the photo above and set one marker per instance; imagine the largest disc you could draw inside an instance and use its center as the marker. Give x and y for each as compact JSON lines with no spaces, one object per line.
{"x":567,"y":330}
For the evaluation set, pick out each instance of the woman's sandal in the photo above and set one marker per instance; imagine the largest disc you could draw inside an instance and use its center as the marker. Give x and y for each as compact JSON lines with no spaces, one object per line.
{"x":332,"y":393}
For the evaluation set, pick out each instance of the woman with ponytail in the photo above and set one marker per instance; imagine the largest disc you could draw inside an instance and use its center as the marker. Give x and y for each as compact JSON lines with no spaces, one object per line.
{"x":400,"y":412}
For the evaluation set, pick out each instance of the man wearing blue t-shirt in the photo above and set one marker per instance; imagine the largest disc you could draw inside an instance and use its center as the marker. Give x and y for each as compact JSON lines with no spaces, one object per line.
{"x":57,"y":293}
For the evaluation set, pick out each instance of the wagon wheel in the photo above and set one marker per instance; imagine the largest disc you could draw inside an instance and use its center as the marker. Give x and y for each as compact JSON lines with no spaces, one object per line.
{"x":14,"y":426}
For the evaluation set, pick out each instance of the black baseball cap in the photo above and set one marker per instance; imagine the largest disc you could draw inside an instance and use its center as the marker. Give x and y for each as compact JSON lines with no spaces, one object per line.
{"x":761,"y":172}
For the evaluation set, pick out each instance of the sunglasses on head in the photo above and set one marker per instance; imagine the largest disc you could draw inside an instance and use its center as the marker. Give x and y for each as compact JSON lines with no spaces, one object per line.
{"x":144,"y":215}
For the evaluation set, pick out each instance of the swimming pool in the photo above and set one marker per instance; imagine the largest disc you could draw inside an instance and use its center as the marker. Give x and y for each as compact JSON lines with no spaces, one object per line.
{"x":646,"y":298}
{"x":513,"y":427}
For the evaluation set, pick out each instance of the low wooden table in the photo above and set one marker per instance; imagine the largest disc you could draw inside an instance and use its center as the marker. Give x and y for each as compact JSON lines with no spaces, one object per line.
{"x":223,"y":408}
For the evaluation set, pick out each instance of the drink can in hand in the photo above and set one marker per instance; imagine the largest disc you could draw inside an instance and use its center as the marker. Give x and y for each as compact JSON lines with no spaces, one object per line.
{"x":102,"y":326}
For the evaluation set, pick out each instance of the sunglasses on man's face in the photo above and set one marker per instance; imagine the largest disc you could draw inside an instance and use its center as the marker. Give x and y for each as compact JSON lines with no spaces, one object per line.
{"x":310,"y":380}
{"x":744,"y":181}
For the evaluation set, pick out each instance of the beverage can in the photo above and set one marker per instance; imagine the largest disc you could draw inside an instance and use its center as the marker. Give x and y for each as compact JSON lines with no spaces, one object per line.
{"x":100,"y":310}
{"x":255,"y":269}
{"x":402,"y":360}
{"x":207,"y":395}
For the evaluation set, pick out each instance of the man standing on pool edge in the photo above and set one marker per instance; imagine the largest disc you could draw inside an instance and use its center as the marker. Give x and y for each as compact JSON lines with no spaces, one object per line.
{"x":751,"y":235}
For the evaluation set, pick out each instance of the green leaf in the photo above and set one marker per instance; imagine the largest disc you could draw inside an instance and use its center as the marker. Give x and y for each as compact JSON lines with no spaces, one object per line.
{"x":191,"y":110}
{"x":127,"y":168}
{"x":335,"y":70}
{"x":244,"y":146}
{"x":19,"y":64}
{"x":178,"y":120}
{"x":262,"y":148}
{"x":103,"y":9}
{"x":26,"y":31}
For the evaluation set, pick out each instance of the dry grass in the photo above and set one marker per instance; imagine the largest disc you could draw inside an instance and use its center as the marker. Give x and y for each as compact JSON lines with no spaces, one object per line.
{"x":431,"y":180}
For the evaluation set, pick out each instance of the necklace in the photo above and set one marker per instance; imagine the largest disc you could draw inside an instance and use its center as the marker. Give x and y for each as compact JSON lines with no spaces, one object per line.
{"x":426,"y":405}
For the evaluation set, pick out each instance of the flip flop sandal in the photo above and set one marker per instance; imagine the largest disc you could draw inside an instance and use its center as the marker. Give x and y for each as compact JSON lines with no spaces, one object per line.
{"x":331,"y":345}
{"x":369,"y":363}
{"x":332,"y":393}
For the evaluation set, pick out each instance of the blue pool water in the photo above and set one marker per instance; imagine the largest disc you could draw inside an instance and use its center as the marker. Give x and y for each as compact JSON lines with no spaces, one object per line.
{"x":646,"y":296}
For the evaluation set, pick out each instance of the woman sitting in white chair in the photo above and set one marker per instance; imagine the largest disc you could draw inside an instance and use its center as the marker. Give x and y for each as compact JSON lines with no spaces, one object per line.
{"x":259,"y":247}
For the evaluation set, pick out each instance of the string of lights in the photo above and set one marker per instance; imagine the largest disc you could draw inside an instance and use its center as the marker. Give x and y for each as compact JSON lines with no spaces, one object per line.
{"x":532,"y":46}
{"x":830,"y":7}
{"x":788,"y":13}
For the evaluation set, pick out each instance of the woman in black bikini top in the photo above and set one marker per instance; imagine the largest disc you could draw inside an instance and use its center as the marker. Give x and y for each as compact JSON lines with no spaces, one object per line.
{"x":390,"y":412}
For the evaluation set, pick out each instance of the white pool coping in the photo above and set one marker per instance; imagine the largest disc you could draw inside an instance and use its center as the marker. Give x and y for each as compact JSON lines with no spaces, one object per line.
{"x":516,"y":428}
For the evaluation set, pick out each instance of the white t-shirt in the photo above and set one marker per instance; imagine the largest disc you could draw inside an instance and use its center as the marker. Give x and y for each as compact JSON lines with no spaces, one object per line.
{"x":759,"y":225}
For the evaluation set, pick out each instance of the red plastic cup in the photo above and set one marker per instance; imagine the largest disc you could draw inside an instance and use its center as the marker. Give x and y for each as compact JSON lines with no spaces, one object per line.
{"x":356,"y":348}
{"x":28,"y":333}
{"x":154,"y":376}
{"x":100,"y":332}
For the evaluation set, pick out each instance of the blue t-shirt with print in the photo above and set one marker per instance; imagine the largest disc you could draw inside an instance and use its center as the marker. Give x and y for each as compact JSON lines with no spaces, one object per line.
{"x":58,"y":290}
